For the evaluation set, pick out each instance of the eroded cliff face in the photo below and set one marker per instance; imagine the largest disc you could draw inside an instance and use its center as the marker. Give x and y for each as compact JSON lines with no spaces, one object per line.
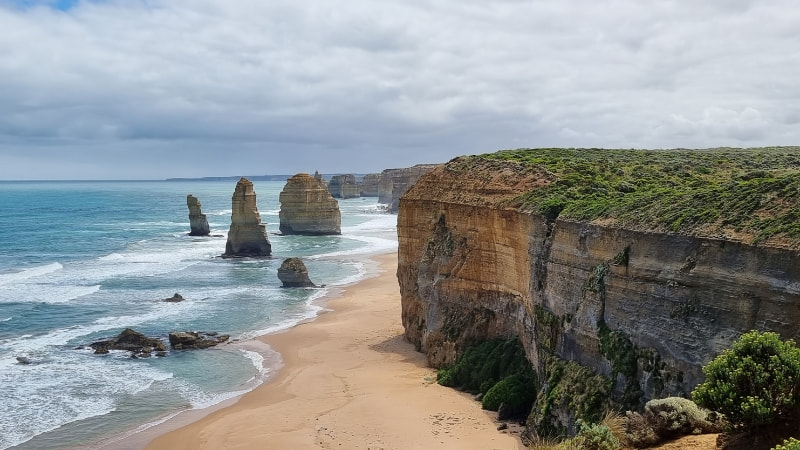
{"x":646,"y":310}
{"x":394,"y":183}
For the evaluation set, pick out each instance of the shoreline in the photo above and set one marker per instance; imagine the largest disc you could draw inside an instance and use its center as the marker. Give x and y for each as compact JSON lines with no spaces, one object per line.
{"x":348,"y":379}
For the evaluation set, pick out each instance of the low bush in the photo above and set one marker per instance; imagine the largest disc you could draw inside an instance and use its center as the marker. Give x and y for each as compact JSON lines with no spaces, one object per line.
{"x":500,"y":371}
{"x":668,"y":418}
{"x":789,"y":444}
{"x":515,"y":392}
{"x":754,"y":383}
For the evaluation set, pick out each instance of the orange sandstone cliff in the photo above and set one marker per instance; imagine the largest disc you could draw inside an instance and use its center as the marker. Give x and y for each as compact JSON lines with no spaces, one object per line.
{"x":644,"y":309}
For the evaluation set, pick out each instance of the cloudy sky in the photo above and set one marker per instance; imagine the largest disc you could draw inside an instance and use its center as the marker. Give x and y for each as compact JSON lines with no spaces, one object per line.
{"x":150,"y":89}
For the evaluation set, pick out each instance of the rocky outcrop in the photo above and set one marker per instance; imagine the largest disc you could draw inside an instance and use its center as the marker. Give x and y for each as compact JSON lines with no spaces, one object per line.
{"x":646,"y":310}
{"x":344,"y":186}
{"x":395,"y":182}
{"x":198,"y":223}
{"x":185,"y":340}
{"x":293,"y":273}
{"x":129,"y":340}
{"x":247,"y":235}
{"x":369,"y":185}
{"x":174,"y":299}
{"x":321,"y":180}
{"x":308,"y":208}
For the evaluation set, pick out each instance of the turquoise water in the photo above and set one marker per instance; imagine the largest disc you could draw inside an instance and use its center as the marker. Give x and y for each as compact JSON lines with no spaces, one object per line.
{"x":80,"y":261}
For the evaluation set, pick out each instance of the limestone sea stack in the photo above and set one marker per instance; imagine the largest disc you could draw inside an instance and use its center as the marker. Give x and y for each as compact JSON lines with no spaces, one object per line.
{"x":369,"y":185}
{"x":308,"y":208}
{"x":247,"y":235}
{"x":197,"y":220}
{"x":293,"y":273}
{"x":344,"y":186}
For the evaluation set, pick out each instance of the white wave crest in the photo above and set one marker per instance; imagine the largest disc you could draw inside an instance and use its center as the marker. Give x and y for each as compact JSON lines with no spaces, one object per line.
{"x":27,"y":274}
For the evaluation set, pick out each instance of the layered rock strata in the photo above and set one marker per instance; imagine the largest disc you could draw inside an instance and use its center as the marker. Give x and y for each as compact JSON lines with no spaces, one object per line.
{"x":308,"y":208}
{"x":247,"y":235}
{"x":293,"y":273}
{"x":644,"y":309}
{"x":369,"y":185}
{"x":198,"y":223}
{"x":344,"y":186}
{"x":395,"y":182}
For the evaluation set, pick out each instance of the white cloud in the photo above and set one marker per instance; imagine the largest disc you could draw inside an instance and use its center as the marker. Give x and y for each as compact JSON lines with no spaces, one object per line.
{"x":362,"y":85}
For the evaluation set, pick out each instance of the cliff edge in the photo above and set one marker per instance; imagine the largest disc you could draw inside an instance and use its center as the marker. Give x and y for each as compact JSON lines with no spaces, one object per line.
{"x":639,"y":265}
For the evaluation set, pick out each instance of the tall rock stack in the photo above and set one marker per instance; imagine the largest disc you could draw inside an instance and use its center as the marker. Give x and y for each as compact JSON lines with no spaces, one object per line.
{"x":308,"y":208}
{"x":247,"y":235}
{"x":369,"y":185}
{"x":344,"y":186}
{"x":198,"y":223}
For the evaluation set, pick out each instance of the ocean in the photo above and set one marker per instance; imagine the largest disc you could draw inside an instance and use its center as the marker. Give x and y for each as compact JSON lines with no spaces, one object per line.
{"x":82,"y":260}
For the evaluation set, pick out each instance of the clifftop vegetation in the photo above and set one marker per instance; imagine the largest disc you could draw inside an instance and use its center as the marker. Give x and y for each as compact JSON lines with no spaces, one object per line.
{"x":750,"y":195}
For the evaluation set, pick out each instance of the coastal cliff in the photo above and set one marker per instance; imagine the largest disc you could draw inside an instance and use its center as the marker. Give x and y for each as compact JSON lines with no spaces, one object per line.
{"x":393,"y":183}
{"x":638,"y":290}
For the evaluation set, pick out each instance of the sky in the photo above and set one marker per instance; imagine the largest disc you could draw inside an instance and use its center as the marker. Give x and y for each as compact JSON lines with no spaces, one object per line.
{"x":153,"y":89}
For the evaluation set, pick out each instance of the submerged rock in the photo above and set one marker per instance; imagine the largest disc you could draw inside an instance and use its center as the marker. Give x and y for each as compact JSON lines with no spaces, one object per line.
{"x":308,"y":208}
{"x":293,"y":273}
{"x":247,"y":235}
{"x":197,"y":220}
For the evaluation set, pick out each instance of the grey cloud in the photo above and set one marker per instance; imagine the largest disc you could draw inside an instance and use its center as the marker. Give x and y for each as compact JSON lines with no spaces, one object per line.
{"x":363,"y":86}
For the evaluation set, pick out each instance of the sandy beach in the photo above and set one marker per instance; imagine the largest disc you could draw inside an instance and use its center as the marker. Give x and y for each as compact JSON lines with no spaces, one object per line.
{"x":350,"y":381}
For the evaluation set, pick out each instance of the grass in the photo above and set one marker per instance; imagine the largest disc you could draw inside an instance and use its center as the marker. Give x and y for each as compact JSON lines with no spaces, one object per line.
{"x":749,"y":194}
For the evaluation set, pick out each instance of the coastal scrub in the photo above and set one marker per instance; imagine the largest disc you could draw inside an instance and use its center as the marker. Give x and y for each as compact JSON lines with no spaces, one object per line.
{"x":743,"y":194}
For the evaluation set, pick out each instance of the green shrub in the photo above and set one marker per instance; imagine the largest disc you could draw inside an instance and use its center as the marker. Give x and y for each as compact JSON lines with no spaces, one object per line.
{"x":478,"y":369}
{"x":754,"y":383}
{"x":445,"y":377}
{"x":596,"y":437}
{"x":789,"y":444}
{"x":481,"y":366}
{"x":515,"y":391}
{"x":752,"y":192}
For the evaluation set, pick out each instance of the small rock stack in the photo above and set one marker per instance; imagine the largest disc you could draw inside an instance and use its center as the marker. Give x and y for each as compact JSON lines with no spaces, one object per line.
{"x":197,"y":220}
{"x":293,"y":273}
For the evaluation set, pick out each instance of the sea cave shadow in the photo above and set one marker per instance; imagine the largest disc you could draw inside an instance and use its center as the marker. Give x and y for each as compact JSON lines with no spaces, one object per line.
{"x":400,"y":346}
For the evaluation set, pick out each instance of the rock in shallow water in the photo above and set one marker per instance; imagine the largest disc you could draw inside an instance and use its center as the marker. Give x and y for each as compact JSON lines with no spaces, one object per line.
{"x":183,"y":340}
{"x":293,"y":273}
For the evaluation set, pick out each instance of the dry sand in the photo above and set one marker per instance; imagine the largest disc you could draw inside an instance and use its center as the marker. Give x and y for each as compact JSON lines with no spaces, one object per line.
{"x":350,"y":381}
